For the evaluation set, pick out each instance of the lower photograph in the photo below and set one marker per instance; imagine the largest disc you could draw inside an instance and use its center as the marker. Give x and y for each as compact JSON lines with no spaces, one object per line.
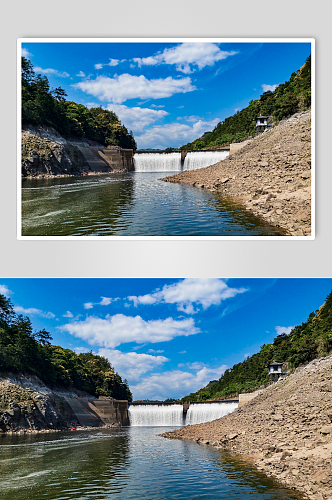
{"x":160,"y":388}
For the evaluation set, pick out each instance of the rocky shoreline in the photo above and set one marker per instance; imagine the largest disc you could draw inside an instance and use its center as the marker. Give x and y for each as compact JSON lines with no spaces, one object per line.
{"x":270,"y":176}
{"x":286,"y":431}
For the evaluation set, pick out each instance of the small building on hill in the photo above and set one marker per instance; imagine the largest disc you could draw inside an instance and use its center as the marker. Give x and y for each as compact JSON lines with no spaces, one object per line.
{"x":275,"y":370}
{"x":261,"y":123}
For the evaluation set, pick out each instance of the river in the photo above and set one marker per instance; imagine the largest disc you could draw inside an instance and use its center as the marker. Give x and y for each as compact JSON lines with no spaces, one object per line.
{"x":130,"y":463}
{"x":132,"y":204}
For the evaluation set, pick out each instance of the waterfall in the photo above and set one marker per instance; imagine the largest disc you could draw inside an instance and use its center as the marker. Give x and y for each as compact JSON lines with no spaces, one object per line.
{"x":206,"y":412}
{"x":156,"y":415}
{"x":171,"y":162}
{"x":157,"y":162}
{"x":172,"y":415}
{"x":201,"y":159}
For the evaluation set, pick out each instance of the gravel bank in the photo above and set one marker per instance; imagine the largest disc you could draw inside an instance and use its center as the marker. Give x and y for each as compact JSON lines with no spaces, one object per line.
{"x":286,"y":430}
{"x":270,"y":176}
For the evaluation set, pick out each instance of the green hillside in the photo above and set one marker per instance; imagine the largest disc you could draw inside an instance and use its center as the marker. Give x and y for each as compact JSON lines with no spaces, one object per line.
{"x":28,"y":352}
{"x":305,"y":342}
{"x":45,"y":107}
{"x":287,"y":99}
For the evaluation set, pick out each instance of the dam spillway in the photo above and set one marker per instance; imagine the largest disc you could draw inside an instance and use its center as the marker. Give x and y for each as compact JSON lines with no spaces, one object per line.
{"x":150,"y":415}
{"x":171,"y":162}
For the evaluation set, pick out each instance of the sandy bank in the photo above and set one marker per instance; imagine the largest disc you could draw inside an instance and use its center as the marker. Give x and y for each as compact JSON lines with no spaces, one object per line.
{"x":270,"y":176}
{"x":286,"y":430}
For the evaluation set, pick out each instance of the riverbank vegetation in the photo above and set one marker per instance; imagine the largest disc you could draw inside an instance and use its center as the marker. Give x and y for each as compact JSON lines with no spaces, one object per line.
{"x":42,"y":106}
{"x":288,"y":98}
{"x":28,"y":352}
{"x":312,"y":339}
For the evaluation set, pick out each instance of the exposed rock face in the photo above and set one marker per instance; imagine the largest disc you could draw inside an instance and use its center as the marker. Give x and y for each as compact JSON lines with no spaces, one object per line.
{"x":45,"y":153}
{"x":270,"y":176}
{"x":27,"y":404}
{"x":286,"y":430}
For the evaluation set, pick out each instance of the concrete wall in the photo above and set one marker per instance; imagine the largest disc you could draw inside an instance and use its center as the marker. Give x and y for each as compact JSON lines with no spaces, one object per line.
{"x":107,"y":160}
{"x":245,"y":397}
{"x":111,"y":412}
{"x":98,"y":412}
{"x":235,"y":146}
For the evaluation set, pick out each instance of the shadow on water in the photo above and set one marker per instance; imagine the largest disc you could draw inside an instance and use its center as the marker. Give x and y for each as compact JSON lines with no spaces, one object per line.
{"x":133,"y":204}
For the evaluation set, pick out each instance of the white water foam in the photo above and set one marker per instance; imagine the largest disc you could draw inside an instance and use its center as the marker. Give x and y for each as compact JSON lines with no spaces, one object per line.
{"x":169,"y":415}
{"x":157,"y":162}
{"x":206,"y":412}
{"x":155,"y":415}
{"x":171,"y":162}
{"x":201,"y":159}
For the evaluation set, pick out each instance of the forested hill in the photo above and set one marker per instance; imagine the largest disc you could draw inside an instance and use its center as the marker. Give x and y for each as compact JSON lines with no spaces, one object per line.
{"x":305,"y":342}
{"x":287,"y":99}
{"x":45,"y":107}
{"x":23,"y":351}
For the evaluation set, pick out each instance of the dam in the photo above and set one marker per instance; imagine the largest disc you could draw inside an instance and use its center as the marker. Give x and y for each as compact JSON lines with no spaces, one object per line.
{"x":177,"y":414}
{"x":177,"y":161}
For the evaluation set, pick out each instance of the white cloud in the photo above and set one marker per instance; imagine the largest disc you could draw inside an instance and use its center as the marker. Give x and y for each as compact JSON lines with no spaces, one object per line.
{"x":80,"y":350}
{"x":113,"y":62}
{"x":187,"y":57}
{"x":4,"y":290}
{"x":153,"y":351}
{"x":25,"y":53}
{"x":120,"y":329}
{"x":269,"y":87}
{"x":105,"y":301}
{"x":34,"y":312}
{"x":284,"y":329}
{"x":81,"y":74}
{"x":175,"y":383}
{"x":132,"y":365}
{"x":50,"y":71}
{"x":176,"y":134}
{"x":68,"y":315}
{"x":88,"y":305}
{"x":189,"y":292}
{"x":136,"y":118}
{"x":247,"y":354}
{"x":98,"y":66}
{"x":122,"y":87}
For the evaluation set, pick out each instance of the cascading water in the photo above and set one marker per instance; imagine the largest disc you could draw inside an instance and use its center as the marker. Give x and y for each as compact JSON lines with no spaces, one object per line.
{"x":172,"y":415}
{"x":171,"y":162}
{"x":155,"y":415}
{"x":201,"y":159}
{"x":157,"y":162}
{"x":205,"y":412}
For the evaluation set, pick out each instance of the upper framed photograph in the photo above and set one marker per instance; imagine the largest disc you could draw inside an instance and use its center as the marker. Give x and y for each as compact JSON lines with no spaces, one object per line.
{"x":200,"y":139}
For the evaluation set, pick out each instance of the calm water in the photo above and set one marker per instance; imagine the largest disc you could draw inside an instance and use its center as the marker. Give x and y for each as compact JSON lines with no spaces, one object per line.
{"x":133,"y":204}
{"x":126,"y":464}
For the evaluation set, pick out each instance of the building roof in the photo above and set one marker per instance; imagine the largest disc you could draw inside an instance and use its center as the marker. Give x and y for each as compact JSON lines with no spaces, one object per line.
{"x":274,"y":363}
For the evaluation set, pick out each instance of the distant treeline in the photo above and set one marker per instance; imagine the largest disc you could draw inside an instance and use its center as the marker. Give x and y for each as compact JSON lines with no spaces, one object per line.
{"x":28,"y":352}
{"x":305,"y":342}
{"x":45,"y":107}
{"x":287,"y":99}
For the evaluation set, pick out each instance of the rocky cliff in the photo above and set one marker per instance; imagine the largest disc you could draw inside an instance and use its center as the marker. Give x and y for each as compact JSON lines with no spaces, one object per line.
{"x":270,"y":176}
{"x":45,"y":153}
{"x":286,"y":430}
{"x":26,"y":404}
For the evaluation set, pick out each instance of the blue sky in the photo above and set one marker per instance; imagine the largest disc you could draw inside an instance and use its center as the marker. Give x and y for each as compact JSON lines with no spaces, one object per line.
{"x":168,"y":94}
{"x":168,"y":337}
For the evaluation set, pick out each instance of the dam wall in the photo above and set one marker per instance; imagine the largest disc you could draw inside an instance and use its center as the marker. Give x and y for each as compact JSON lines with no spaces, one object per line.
{"x":102,"y":159}
{"x":99,"y":412}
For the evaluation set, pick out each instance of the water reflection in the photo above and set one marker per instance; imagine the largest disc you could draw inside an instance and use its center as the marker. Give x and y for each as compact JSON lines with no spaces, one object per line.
{"x":133,"y":204}
{"x":126,"y":464}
